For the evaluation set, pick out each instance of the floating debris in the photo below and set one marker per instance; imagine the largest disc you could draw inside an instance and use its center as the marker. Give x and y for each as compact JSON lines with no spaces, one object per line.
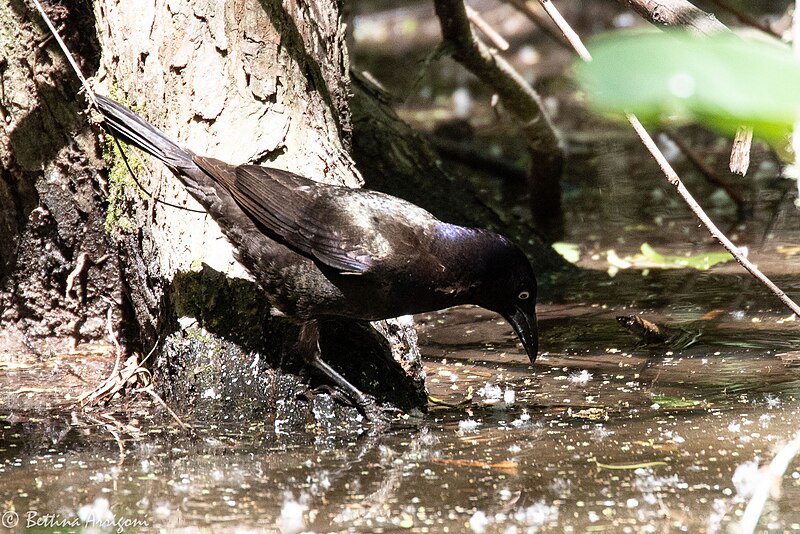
{"x":629,"y":466}
{"x":468,"y":425}
{"x":508,"y":466}
{"x":651,"y":333}
{"x":592,"y":414}
{"x":581,"y":378}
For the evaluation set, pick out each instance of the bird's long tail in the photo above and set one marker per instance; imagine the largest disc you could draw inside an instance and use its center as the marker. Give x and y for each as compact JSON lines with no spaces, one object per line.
{"x":217,"y":201}
{"x":124,"y":124}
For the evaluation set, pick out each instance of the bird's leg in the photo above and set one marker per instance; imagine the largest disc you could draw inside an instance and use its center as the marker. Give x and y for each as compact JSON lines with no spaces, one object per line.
{"x":308,"y":346}
{"x":335,"y":393}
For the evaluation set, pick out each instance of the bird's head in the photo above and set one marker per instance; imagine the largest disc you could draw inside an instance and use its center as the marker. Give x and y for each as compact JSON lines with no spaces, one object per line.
{"x":509,"y":288}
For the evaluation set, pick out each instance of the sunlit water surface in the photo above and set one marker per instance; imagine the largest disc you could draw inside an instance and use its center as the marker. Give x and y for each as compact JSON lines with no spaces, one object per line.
{"x":601,"y":434}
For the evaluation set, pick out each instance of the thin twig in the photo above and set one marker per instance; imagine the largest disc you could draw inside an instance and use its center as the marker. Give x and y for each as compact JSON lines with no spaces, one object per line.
{"x":159,"y":400}
{"x":543,"y":23}
{"x":707,"y":171}
{"x":66,"y":51}
{"x":111,"y":384}
{"x":566,"y":29}
{"x":493,"y":69}
{"x":494,"y":36}
{"x":93,"y":101}
{"x":766,"y":482}
{"x":544,"y":143}
{"x":675,"y":180}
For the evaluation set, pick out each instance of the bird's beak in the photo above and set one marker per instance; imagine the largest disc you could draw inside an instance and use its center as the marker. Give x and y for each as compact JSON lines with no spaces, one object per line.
{"x":524,"y":324}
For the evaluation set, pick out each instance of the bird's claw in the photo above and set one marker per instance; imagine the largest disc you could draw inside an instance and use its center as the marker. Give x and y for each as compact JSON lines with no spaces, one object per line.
{"x":336,"y":394}
{"x":376,"y":414}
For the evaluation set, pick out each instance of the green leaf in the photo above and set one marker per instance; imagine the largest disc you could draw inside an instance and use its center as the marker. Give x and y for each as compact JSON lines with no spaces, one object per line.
{"x":723,"y":81}
{"x":701,"y":262}
{"x":668,"y":401}
{"x":569,"y":251}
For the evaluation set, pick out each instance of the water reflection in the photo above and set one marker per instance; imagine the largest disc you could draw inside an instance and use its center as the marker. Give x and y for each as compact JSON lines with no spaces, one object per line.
{"x":599,"y":435}
{"x":602,"y":434}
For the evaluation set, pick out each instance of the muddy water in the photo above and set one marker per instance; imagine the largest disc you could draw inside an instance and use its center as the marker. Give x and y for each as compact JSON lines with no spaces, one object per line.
{"x":601,"y":434}
{"x":598,"y":435}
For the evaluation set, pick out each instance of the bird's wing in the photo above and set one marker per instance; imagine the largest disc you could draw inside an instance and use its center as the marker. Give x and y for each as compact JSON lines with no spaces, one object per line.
{"x":297,"y":211}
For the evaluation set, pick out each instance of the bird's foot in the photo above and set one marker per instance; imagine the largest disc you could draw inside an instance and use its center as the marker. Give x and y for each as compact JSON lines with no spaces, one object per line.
{"x":337,"y":395}
{"x":377,"y":415}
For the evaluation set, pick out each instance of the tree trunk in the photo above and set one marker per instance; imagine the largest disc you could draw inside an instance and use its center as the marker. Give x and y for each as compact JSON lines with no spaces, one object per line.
{"x":59,"y":274}
{"x":242,"y":80}
{"x":235,"y":80}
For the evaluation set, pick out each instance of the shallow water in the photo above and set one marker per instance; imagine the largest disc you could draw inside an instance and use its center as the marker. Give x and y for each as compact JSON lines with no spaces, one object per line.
{"x":597,"y":435}
{"x":601,"y":434}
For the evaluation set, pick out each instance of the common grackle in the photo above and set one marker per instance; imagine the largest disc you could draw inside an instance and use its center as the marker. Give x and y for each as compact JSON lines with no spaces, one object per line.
{"x":320,"y":250}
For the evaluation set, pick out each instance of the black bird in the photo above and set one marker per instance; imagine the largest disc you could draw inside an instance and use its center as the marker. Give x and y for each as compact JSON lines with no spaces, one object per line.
{"x":320,"y":250}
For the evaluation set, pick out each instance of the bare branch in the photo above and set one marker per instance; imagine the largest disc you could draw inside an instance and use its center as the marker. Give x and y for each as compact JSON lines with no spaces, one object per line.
{"x":572,"y":37}
{"x":544,"y":144}
{"x":708,"y":172}
{"x":517,"y":95}
{"x":676,"y":13}
{"x":747,"y":18}
{"x":543,"y":23}
{"x":676,"y":182}
{"x":765,"y":483}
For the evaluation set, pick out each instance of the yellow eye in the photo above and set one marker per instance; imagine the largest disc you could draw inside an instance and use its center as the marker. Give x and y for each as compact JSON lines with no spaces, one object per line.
{"x":524,"y":295}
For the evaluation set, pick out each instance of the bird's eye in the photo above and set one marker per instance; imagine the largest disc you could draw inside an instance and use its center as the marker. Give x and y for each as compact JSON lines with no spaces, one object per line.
{"x":523,"y":295}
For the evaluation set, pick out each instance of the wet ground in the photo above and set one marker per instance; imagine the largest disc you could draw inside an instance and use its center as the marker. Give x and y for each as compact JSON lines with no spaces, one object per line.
{"x":601,"y":434}
{"x":598,"y":435}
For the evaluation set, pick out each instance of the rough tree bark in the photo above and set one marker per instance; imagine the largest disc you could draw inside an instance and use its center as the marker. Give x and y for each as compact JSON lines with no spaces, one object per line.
{"x":243,"y":80}
{"x":58,"y":271}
